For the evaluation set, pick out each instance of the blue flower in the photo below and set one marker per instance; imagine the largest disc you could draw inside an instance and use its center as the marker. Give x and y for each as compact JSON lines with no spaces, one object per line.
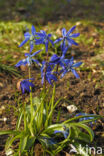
{"x":30,"y":37}
{"x":28,"y":60}
{"x":55,"y":59}
{"x":26,"y":84}
{"x":67,"y":38}
{"x":86,"y":118}
{"x":65,"y":132}
{"x":69,"y":66}
{"x":46,"y":73}
{"x":44,"y":39}
{"x":49,"y":141}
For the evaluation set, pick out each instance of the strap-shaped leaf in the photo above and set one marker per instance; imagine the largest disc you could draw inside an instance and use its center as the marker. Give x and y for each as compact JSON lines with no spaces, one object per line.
{"x":8,"y":132}
{"x":53,"y":127}
{"x":78,"y":117}
{"x":19,"y":120}
{"x":11,"y":140}
{"x":30,"y":142}
{"x":84,"y":137}
{"x":88,"y":129}
{"x":23,"y":143}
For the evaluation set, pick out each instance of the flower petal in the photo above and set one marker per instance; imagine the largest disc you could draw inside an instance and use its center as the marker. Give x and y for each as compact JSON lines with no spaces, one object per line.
{"x":46,"y":45}
{"x":71,"y":30}
{"x":51,"y":42}
{"x":49,"y":80}
{"x":27,"y":54}
{"x":23,"y":42}
{"x":77,"y":64}
{"x":54,"y":58}
{"x":40,"y":34}
{"x":49,"y":35}
{"x":58,"y":40}
{"x":75,"y":73}
{"x":38,"y":41}
{"x":71,"y":41}
{"x":64,"y":32}
{"x":31,"y":46}
{"x":75,"y":35}
{"x":64,"y":51}
{"x":36,"y":61}
{"x":43,"y":32}
{"x":33,"y":30}
{"x":57,"y":131}
{"x":63,"y":74}
{"x":63,"y":45}
{"x":27,"y":35}
{"x":22,"y":62}
{"x":36,"y":53}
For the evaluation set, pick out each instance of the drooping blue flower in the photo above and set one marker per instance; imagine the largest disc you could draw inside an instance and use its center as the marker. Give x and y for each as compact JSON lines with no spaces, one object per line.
{"x":55,"y":59}
{"x":67,"y":38}
{"x":46,"y":73}
{"x":25,"y":85}
{"x":85,"y":118}
{"x":43,"y":38}
{"x":65,"y":132}
{"x":30,"y":37}
{"x":49,"y":141}
{"x":69,"y":65}
{"x":28,"y":60}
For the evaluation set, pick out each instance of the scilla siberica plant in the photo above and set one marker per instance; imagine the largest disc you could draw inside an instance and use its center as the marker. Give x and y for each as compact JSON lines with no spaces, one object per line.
{"x":38,"y":126}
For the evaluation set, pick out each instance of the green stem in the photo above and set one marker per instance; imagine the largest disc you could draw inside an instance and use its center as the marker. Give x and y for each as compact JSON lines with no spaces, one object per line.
{"x":24,"y":105}
{"x":45,"y":70}
{"x":31,"y":104}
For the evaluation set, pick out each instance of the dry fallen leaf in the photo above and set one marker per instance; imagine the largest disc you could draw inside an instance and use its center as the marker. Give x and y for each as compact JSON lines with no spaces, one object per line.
{"x":18,"y":84}
{"x":23,"y":68}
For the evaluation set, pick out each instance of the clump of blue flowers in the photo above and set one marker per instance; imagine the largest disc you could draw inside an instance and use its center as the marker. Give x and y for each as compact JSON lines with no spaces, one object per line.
{"x":47,"y":67}
{"x":37,"y":117}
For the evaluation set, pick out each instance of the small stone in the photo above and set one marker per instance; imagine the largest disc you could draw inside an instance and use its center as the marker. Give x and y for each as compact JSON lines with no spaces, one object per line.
{"x":9,"y":152}
{"x":78,"y":23}
{"x":5,"y":119}
{"x":71,"y":108}
{"x":2,"y":108}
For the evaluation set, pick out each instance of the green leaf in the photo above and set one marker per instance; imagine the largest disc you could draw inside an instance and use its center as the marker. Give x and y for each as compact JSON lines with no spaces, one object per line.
{"x":11,"y":140}
{"x":75,"y":132}
{"x":8,"y":132}
{"x":9,"y":69}
{"x":19,"y":120}
{"x":51,"y":113}
{"x":90,"y":120}
{"x":30,"y":142}
{"x":23,"y":143}
{"x":88,"y":129}
{"x":36,"y":101}
{"x":78,"y":117}
{"x":58,"y":116}
{"x":53,"y":127}
{"x":84,"y":137}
